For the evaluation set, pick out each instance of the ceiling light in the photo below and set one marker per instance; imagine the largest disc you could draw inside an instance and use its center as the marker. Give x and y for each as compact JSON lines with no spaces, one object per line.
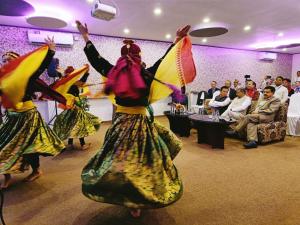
{"x":274,"y":44}
{"x":284,"y":49}
{"x":247,"y":28}
{"x":206,"y":20}
{"x":168,"y":36}
{"x":126,"y":31}
{"x":157,"y":11}
{"x":204,"y":40}
{"x":50,"y":11}
{"x":280,"y":34}
{"x":90,"y":1}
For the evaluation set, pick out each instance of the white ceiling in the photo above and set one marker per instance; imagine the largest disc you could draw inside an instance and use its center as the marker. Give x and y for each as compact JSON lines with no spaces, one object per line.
{"x":267,"y":18}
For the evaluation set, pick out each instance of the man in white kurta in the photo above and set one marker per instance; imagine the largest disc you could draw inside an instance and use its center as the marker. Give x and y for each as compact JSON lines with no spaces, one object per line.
{"x":281,"y":92}
{"x":238,"y":107}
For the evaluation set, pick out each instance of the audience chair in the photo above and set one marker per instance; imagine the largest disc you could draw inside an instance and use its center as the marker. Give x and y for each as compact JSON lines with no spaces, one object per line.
{"x":276,"y":130}
{"x":197,"y":100}
{"x":293,"y":115}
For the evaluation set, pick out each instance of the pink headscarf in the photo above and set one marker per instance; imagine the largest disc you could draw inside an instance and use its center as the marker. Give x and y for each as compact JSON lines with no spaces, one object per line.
{"x":125,"y":79}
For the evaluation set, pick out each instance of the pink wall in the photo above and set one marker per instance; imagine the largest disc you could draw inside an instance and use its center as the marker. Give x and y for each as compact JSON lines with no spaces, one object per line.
{"x":211,"y":63}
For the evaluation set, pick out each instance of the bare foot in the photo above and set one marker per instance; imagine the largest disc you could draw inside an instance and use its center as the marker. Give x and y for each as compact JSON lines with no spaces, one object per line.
{"x":33,"y":176}
{"x":135,"y":213}
{"x":7,"y":181}
{"x":85,"y":147}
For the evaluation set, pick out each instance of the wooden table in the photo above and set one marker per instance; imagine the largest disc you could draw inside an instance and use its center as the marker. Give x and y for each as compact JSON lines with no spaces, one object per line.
{"x":179,"y":123}
{"x":209,"y":131}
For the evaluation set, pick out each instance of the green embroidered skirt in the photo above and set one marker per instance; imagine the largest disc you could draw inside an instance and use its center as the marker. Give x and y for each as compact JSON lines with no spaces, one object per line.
{"x":25,"y":133}
{"x":76,"y":123}
{"x":135,"y":166}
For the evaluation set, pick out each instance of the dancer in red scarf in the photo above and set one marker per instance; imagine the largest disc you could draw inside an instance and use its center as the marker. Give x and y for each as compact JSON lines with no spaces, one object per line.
{"x":135,"y":166}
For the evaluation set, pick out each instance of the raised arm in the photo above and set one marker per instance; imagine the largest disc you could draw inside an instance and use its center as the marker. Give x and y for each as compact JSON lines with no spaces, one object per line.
{"x":47,"y":60}
{"x":98,"y":62}
{"x":181,"y":32}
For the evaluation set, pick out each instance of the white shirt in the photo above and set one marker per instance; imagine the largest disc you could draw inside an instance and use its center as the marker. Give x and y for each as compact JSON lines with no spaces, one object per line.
{"x":218,"y":92}
{"x":282,"y":93}
{"x":240,"y":104}
{"x":237,"y":108}
{"x":213,"y":103}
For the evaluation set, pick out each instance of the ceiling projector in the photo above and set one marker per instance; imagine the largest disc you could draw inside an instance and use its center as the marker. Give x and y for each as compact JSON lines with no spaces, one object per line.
{"x":103,"y":11}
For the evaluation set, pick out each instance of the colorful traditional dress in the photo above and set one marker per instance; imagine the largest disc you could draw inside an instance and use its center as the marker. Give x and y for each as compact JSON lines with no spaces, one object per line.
{"x":24,"y":135}
{"x":134,"y":167}
{"x":76,"y":122}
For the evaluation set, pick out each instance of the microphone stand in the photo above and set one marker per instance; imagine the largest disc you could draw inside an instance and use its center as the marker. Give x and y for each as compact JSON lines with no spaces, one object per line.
{"x":56,"y":111}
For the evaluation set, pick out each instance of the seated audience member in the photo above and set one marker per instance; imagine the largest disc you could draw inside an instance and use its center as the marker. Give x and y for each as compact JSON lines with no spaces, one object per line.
{"x":251,"y":90}
{"x":297,"y":87}
{"x":266,"y":82}
{"x":220,"y":100}
{"x":202,"y":96}
{"x":281,"y":92}
{"x":238,"y":106}
{"x":212,"y":90}
{"x":231,"y":91}
{"x":287,"y":84}
{"x":236,"y":84}
{"x":265,"y":112}
{"x":298,"y":76}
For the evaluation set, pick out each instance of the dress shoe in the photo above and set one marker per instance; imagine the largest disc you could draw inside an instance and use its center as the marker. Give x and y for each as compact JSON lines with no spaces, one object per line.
{"x":231,"y":133}
{"x":250,"y":144}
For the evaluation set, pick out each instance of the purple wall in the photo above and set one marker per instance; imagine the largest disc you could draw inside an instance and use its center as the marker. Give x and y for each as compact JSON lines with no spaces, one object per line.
{"x":211,"y":63}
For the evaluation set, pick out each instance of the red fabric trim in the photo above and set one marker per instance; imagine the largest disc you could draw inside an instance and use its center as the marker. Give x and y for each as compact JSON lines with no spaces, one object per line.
{"x":66,"y":78}
{"x":13,"y":64}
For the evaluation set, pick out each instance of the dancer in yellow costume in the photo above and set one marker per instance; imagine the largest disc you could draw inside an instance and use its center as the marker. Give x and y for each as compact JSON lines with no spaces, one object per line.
{"x":74,"y":121}
{"x":24,"y":135}
{"x":134,"y":167}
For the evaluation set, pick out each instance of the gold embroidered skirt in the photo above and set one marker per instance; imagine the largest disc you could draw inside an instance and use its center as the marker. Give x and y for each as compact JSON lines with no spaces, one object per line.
{"x":25,"y":133}
{"x":135,"y":166}
{"x":75,"y":123}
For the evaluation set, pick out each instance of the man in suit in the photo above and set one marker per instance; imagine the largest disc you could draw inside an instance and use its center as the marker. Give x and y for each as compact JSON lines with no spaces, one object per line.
{"x":212,"y":90}
{"x":265,"y":111}
{"x":231,"y":92}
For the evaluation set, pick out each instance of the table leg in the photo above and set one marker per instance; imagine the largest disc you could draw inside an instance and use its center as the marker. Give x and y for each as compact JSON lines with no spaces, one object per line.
{"x":202,"y":133}
{"x":218,"y":137}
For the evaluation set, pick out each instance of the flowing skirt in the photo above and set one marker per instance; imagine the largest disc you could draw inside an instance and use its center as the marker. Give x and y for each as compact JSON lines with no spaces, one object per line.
{"x":25,"y":133}
{"x":76,"y":123}
{"x":135,"y":166}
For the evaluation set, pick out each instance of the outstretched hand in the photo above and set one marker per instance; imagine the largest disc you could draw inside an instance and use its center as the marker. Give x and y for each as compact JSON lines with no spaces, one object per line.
{"x":50,"y":42}
{"x":182,"y":32}
{"x":82,"y":29}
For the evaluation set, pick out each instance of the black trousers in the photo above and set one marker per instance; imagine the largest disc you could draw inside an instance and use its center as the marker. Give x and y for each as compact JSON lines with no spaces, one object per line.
{"x":82,"y":142}
{"x":33,"y":160}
